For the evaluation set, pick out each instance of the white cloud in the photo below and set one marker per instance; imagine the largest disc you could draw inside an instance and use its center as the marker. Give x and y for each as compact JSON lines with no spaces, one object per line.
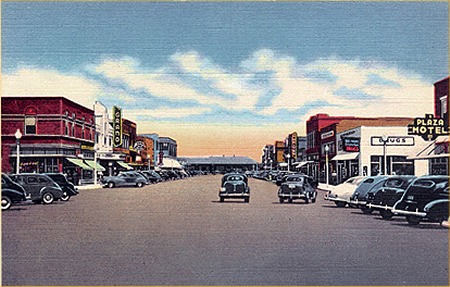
{"x":38,"y":82}
{"x":163,"y":113}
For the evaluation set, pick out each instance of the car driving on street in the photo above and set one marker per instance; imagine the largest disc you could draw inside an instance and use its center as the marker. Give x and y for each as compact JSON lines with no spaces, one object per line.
{"x":234,"y":185}
{"x":298,"y":187}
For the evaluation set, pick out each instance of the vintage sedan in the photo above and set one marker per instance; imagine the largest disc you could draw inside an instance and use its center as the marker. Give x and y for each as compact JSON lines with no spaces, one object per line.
{"x":127,"y":178}
{"x":384,"y":198}
{"x":234,"y":185}
{"x":39,"y":187}
{"x":12,"y":193}
{"x":340,"y":194}
{"x":358,"y":198}
{"x":426,"y":198}
{"x":151,"y":175}
{"x":68,"y":187}
{"x":298,"y":187}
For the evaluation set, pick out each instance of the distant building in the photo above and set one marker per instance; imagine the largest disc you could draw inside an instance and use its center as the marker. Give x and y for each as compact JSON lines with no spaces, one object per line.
{"x":168,"y":147}
{"x":219,"y":164}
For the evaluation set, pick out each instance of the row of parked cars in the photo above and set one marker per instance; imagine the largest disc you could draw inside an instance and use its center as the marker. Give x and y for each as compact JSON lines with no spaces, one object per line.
{"x":292,"y":185}
{"x":141,"y":178}
{"x":415,"y":198}
{"x":39,"y":188}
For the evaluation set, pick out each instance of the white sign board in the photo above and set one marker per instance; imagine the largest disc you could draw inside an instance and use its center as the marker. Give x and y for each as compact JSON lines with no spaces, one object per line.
{"x":392,"y":141}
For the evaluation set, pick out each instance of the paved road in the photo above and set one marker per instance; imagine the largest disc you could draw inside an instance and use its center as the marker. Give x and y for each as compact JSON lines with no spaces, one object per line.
{"x":178,"y":233}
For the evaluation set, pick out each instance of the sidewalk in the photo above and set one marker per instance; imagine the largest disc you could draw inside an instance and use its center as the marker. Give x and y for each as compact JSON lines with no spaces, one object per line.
{"x":88,"y":186}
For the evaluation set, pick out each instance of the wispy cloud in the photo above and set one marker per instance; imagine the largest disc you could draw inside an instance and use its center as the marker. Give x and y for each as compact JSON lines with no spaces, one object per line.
{"x":265,"y":88}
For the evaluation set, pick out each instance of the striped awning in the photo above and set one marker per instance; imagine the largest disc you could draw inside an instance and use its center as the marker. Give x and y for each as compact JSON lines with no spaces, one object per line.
{"x":95,"y":165}
{"x":124,"y":165}
{"x":79,"y":163}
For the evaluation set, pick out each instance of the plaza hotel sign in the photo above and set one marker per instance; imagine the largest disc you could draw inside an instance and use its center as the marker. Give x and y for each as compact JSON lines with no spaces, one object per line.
{"x":429,"y":127}
{"x":117,"y":126}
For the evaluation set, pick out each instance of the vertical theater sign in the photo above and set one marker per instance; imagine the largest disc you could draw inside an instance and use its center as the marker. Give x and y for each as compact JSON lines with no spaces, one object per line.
{"x":117,"y":126}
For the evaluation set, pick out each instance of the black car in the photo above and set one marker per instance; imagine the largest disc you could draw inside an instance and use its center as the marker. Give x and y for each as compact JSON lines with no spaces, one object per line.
{"x":68,"y":187}
{"x":234,"y":185}
{"x":426,"y":198}
{"x":12,"y":193}
{"x":152,"y":176}
{"x":298,"y":187}
{"x":384,"y":198}
{"x":358,"y":198}
{"x":39,"y":187}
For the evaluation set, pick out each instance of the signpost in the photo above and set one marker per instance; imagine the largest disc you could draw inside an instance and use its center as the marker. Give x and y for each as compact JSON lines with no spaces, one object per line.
{"x":117,"y":126}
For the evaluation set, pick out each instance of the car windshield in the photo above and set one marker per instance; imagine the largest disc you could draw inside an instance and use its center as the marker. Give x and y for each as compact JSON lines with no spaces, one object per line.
{"x":235,"y":178}
{"x":294,"y":178}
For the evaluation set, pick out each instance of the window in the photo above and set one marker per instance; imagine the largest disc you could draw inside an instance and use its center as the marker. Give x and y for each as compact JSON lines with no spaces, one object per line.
{"x":30,"y":125}
{"x":32,"y":179}
{"x":444,"y":108}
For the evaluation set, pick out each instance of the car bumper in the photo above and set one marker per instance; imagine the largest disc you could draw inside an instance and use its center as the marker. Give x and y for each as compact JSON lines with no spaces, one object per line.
{"x":357,"y":202}
{"x":291,"y":195}
{"x":234,"y":195}
{"x":377,"y":206}
{"x":406,"y":212}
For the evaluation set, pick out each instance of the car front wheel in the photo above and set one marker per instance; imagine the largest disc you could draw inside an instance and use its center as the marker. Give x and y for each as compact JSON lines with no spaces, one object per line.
{"x":139,"y":184}
{"x":110,"y":184}
{"x":48,"y":198}
{"x":65,"y":196}
{"x":413,"y":220}
{"x":6,"y":202}
{"x":340,"y":203}
{"x":386,"y":214}
{"x":281,"y":200}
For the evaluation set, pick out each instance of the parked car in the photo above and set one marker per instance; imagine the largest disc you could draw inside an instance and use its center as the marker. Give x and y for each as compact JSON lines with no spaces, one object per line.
{"x":426,"y":198}
{"x":234,"y":185}
{"x":340,"y":194}
{"x":68,"y":187}
{"x":151,"y":175}
{"x":126,"y":178}
{"x":12,"y":193}
{"x":358,"y":198}
{"x":298,"y":187}
{"x":39,"y":187}
{"x":384,"y":198}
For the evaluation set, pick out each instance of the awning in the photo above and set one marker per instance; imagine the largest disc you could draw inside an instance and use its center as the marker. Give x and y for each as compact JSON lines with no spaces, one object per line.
{"x":79,"y":163}
{"x":170,"y":163}
{"x":346,"y":156}
{"x":124,"y":165}
{"x":94,"y":165}
{"x":432,"y":150}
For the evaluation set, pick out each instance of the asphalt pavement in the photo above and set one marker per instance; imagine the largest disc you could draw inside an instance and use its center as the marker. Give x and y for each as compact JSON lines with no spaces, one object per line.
{"x":178,"y":233}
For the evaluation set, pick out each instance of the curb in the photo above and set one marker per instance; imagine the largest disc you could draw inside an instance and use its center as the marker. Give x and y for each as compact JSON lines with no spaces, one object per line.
{"x":89,"y":186}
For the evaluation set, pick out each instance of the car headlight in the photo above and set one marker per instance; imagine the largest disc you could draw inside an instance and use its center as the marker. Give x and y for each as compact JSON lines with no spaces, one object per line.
{"x":223,"y":189}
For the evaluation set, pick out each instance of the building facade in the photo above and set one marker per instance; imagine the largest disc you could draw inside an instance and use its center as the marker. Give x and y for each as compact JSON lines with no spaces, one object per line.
{"x":167,"y":147}
{"x":58,"y":135}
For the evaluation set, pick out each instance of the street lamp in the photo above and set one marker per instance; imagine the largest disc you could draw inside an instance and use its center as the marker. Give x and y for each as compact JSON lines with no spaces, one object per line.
{"x":95,"y":163}
{"x":18,"y":136}
{"x":327,"y":148}
{"x":384,"y":138}
{"x":288,"y":156}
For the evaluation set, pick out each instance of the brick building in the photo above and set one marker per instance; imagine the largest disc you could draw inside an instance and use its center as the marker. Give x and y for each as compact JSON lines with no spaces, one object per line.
{"x":58,"y":135}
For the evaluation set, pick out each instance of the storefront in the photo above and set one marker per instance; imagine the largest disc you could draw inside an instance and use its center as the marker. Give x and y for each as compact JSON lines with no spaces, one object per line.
{"x":375,"y":150}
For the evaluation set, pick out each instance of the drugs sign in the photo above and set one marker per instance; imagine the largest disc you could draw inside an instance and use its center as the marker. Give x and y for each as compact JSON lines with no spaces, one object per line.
{"x":429,"y":127}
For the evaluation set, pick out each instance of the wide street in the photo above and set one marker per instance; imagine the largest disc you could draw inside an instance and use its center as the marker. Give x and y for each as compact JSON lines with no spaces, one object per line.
{"x":178,"y":233}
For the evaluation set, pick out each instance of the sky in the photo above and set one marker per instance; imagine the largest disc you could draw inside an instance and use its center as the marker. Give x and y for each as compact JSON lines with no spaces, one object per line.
{"x":226,"y":78}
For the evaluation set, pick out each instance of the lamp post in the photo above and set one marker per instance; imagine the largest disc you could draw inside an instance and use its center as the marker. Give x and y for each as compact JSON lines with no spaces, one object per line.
{"x":288,"y":156}
{"x":95,"y":163}
{"x":327,"y":148}
{"x":384,"y":138}
{"x":18,"y":136}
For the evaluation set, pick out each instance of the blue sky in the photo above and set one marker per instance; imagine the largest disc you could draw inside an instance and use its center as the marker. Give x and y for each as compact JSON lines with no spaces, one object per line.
{"x":259,"y":65}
